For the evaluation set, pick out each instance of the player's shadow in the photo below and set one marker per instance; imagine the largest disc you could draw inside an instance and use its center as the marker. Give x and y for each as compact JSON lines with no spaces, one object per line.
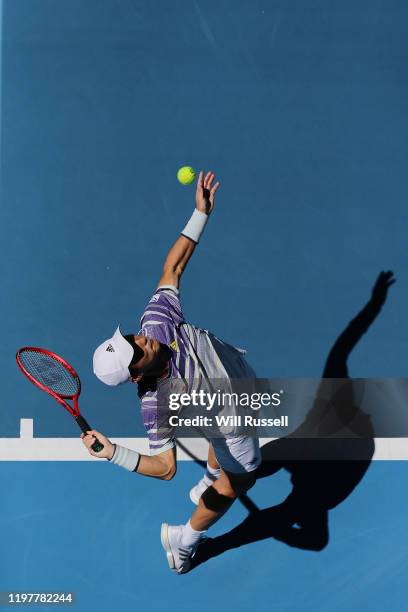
{"x":324,"y":468}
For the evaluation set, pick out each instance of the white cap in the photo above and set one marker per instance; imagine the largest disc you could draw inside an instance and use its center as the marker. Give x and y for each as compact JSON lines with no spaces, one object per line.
{"x":112,"y":358}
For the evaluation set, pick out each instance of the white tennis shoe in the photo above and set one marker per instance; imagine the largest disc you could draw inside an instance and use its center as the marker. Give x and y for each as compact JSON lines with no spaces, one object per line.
{"x":178,"y":556}
{"x":197,"y":491}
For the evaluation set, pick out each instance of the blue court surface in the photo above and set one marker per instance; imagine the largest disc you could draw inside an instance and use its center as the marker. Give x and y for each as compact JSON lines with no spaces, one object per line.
{"x":300,"y":110}
{"x":95,"y":532}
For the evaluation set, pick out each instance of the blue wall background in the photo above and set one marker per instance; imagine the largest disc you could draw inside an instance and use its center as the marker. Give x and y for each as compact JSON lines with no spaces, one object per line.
{"x":300,"y":109}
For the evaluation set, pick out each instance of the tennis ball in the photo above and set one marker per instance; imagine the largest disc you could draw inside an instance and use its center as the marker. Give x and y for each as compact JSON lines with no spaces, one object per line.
{"x":186,"y":175}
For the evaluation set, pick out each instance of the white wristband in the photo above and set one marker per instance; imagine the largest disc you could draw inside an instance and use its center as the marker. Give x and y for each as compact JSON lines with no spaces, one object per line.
{"x":126,"y":458}
{"x":195,"y":226}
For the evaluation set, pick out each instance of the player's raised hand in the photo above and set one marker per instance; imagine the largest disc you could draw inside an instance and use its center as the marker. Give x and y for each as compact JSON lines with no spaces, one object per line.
{"x":206,"y":192}
{"x":382,"y":284}
{"x":89,"y":438}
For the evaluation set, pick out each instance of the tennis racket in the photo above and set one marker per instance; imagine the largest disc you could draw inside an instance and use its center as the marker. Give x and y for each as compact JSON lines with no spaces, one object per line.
{"x":55,"y":376}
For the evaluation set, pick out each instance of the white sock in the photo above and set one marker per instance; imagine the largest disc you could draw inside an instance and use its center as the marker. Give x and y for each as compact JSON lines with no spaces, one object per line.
{"x":190,"y":537}
{"x":211,"y":475}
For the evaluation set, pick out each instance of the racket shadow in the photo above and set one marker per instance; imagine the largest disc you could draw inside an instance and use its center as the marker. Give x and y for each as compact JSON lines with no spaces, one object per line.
{"x":324,"y":472}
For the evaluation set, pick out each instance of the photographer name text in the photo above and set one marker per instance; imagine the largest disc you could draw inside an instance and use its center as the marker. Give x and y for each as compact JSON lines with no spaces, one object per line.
{"x":228,"y":421}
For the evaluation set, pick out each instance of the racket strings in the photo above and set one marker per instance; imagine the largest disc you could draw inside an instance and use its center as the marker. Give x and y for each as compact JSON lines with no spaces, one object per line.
{"x":49,"y":372}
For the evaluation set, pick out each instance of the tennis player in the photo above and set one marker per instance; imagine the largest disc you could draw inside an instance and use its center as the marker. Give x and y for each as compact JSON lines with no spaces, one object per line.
{"x":168,"y":347}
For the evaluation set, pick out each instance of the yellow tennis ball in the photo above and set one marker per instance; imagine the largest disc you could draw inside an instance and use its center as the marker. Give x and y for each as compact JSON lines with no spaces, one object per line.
{"x":186,"y":175}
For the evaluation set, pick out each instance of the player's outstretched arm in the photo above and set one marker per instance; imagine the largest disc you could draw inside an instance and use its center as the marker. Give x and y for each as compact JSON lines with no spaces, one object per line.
{"x":183,"y":248}
{"x":162,"y":466}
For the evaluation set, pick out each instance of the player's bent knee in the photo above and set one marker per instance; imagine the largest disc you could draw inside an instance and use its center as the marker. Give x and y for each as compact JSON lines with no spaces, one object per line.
{"x":215,"y":501}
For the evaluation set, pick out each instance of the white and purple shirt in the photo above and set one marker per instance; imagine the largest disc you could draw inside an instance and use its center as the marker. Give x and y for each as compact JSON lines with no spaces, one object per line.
{"x":197,"y":355}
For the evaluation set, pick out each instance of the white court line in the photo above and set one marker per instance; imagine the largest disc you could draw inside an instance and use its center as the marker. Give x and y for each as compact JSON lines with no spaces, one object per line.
{"x":29,"y":448}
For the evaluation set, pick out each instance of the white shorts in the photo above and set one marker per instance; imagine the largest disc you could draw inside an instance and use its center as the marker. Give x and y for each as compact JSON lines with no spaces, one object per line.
{"x":237,"y":455}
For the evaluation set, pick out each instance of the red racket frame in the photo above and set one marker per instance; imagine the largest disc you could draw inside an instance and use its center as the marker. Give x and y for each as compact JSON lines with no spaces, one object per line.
{"x":59,"y":397}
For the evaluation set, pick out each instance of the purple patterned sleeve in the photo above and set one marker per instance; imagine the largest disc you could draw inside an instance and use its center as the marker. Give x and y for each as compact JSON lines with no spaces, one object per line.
{"x":163,"y":307}
{"x":155,"y":420}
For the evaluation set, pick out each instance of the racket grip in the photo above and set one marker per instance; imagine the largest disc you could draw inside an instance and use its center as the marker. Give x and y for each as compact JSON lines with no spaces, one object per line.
{"x":84,"y":425}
